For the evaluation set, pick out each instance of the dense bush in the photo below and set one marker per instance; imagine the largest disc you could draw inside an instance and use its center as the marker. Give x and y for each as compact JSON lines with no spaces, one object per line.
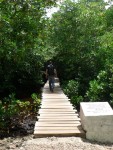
{"x":22,"y":45}
{"x":71,"y":89}
{"x":101,"y":89}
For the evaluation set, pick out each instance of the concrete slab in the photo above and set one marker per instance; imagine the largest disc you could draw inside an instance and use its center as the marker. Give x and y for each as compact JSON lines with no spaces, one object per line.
{"x":97,"y":121}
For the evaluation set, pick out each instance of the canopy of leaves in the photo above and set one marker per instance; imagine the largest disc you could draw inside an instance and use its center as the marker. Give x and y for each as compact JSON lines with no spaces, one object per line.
{"x":21,"y":43}
{"x":81,"y":35}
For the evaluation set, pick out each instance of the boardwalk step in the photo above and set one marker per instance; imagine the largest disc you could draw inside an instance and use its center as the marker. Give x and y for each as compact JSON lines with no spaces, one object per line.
{"x":58,"y":119}
{"x":59,"y":122}
{"x":57,"y":111}
{"x":57,"y":106}
{"x":58,"y":128}
{"x":46,"y":133}
{"x":56,"y":98}
{"x":56,"y":101}
{"x":57,"y":115}
{"x":45,"y":124}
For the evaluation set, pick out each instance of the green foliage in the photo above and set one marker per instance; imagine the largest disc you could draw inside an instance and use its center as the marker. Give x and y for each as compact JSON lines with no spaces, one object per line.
{"x":21,"y":44}
{"x":8,"y":110}
{"x":101,"y":89}
{"x":109,"y":17}
{"x":36,"y":101}
{"x":75,"y":32}
{"x":95,"y":91}
{"x":81,"y":35}
{"x":71,"y":89}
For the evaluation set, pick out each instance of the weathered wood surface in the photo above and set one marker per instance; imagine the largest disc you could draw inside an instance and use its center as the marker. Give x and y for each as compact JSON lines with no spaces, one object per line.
{"x":57,"y":116}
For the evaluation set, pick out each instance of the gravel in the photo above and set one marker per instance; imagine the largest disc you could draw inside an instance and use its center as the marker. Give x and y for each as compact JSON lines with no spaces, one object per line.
{"x":52,"y":143}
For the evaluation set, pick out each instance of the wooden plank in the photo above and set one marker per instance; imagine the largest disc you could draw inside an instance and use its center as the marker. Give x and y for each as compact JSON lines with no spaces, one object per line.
{"x":53,"y":106}
{"x":52,"y":100}
{"x":56,"y":115}
{"x":56,"y":91}
{"x":59,"y":119}
{"x":56,"y":104}
{"x":57,"y":125}
{"x":55,"y":101}
{"x":77,"y":123}
{"x":57,"y":111}
{"x":56,"y":98}
{"x":63,"y":109}
{"x":56,"y":87}
{"x":53,"y":96}
{"x":40,"y":135}
{"x":53,"y":131}
{"x":58,"y":128}
{"x":60,"y":109}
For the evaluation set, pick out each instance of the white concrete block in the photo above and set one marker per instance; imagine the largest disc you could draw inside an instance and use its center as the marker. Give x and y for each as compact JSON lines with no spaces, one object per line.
{"x":97,"y":120}
{"x":104,"y":137}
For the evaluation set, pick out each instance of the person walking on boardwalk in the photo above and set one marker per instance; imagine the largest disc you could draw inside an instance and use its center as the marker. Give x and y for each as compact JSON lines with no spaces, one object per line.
{"x":50,"y":74}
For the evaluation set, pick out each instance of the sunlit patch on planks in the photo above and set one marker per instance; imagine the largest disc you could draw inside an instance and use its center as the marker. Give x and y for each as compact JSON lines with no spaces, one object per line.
{"x":57,"y":116}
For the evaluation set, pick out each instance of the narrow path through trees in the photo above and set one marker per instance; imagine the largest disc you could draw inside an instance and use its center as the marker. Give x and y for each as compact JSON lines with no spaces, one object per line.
{"x":57,"y":116}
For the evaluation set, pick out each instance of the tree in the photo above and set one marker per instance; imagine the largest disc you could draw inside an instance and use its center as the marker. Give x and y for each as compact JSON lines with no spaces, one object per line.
{"x":75,"y":32}
{"x":21,"y":32}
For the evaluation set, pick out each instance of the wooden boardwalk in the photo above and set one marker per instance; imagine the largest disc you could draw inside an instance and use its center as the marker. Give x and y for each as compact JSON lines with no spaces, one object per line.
{"x":57,"y":116}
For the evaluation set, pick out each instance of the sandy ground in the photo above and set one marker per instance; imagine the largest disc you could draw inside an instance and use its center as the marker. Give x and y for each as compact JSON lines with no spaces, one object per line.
{"x":61,"y":143}
{"x":52,"y":143}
